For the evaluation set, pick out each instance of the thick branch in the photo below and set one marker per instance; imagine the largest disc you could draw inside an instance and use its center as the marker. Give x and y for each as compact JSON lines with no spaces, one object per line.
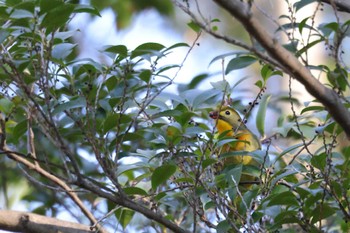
{"x":342,"y":5}
{"x":289,"y":63}
{"x":56,"y":180}
{"x":17,"y":221}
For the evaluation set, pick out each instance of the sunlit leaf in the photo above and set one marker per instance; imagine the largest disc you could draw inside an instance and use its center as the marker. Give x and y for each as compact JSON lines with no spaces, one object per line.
{"x":260,"y":117}
{"x":194,"y":26}
{"x":6,"y":105}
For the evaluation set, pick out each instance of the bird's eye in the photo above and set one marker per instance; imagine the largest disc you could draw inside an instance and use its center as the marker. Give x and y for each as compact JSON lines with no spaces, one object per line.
{"x":227,"y":112}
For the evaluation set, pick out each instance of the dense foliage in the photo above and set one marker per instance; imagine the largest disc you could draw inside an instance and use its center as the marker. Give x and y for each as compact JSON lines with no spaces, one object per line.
{"x":112,"y":135}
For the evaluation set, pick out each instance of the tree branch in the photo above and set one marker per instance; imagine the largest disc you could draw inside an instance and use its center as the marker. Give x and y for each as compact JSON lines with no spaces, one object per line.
{"x":17,"y":221}
{"x":342,"y":5}
{"x":288,"y":62}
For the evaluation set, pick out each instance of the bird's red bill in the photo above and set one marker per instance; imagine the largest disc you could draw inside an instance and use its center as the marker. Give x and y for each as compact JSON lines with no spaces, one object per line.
{"x":214,"y":115}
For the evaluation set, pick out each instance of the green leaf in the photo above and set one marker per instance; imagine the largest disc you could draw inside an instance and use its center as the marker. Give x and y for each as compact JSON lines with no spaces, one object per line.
{"x":83,"y":8}
{"x":76,"y":102}
{"x":196,"y":80}
{"x":223,"y":227}
{"x":239,"y":63}
{"x":302,"y":24}
{"x":150,"y":48}
{"x":308,"y":46}
{"x":319,"y":161}
{"x":260,"y":117}
{"x":285,"y":198}
{"x":291,"y":148}
{"x":57,"y":14}
{"x":223,"y":56}
{"x":146,"y":75}
{"x":233,"y":176}
{"x":61,"y":51}
{"x":135,"y":191}
{"x":6,"y":105}
{"x":20,"y":129}
{"x":259,"y":84}
{"x":322,"y":211}
{"x":312,"y":108}
{"x":124,"y":216}
{"x":194,"y":26}
{"x":4,"y":34}
{"x":283,"y":174}
{"x":203,"y":96}
{"x":162,"y":174}
{"x":177,"y":45}
{"x":221,"y":85}
{"x":113,"y":50}
{"x":285,"y":217}
{"x":21,"y":14}
{"x":300,"y":4}
{"x":267,"y":71}
{"x":208,"y":162}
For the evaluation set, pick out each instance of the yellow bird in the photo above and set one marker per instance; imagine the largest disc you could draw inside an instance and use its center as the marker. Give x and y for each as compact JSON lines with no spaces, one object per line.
{"x":229,"y":121}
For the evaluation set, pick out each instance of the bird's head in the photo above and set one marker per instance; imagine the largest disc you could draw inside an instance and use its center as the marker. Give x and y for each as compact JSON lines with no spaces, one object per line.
{"x":228,"y":115}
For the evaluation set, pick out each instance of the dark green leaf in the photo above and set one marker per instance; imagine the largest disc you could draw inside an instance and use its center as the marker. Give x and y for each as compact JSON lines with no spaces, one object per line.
{"x":312,"y":108}
{"x":20,"y":129}
{"x":223,"y":227}
{"x":162,"y":174}
{"x":116,"y":50}
{"x":285,"y":217}
{"x":146,"y":75}
{"x":292,"y":46}
{"x":135,"y":191}
{"x":196,"y":80}
{"x":239,"y":63}
{"x":81,"y":8}
{"x":76,"y":102}
{"x":302,"y":24}
{"x":208,"y":162}
{"x":308,"y":46}
{"x":110,"y":122}
{"x":56,"y":16}
{"x":177,"y":45}
{"x":300,"y":4}
{"x":124,"y":216}
{"x":322,"y":211}
{"x":285,"y":198}
{"x":319,"y":161}
{"x":147,"y":48}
